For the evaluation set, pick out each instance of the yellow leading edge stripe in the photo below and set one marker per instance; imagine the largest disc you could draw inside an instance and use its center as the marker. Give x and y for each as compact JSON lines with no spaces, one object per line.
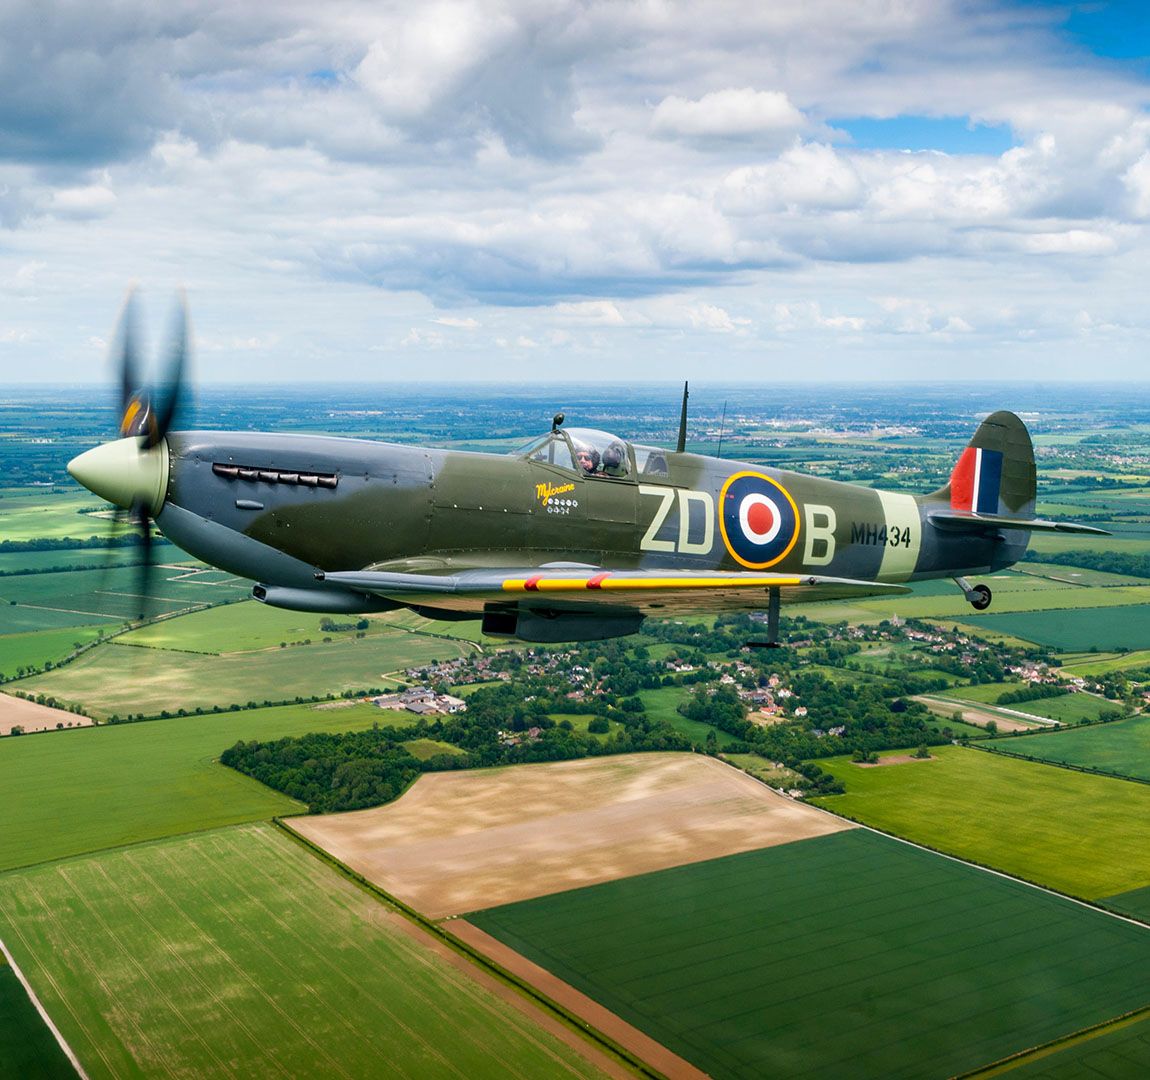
{"x":595,"y":584}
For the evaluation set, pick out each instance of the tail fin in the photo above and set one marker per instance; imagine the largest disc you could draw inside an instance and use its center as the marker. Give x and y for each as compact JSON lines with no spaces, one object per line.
{"x":995,"y":474}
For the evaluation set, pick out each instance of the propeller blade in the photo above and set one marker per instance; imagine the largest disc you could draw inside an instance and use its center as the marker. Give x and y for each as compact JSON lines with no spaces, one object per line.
{"x":125,"y":351}
{"x":174,"y":382}
{"x":143,"y":520}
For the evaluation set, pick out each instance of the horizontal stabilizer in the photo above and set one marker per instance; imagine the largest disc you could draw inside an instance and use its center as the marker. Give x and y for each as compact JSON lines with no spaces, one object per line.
{"x":968,"y":521}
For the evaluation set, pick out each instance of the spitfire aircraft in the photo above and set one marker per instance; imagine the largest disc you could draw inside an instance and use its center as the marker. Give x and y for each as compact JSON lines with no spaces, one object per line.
{"x":577,"y":535}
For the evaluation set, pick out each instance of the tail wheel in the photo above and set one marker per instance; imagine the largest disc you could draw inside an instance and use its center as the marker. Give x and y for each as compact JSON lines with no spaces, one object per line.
{"x":980,"y":601}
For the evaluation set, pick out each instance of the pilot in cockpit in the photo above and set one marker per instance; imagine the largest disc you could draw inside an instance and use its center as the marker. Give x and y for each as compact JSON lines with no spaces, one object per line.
{"x":587,"y":457}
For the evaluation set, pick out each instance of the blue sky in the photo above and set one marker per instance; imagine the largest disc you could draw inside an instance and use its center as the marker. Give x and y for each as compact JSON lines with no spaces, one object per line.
{"x":557,"y":189}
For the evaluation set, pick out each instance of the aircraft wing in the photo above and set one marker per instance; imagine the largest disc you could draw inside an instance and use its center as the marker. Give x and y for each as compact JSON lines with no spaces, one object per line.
{"x":649,"y":591}
{"x":969,"y":521}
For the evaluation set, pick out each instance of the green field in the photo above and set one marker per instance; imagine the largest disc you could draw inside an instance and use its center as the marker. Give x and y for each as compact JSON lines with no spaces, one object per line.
{"x":429,"y":748}
{"x":1114,"y":1053}
{"x":1066,"y":708}
{"x":957,"y":727}
{"x":27,"y":1049}
{"x":35,"y":649}
{"x":21,"y":562}
{"x":236,"y":952}
{"x":111,"y":597}
{"x":579,"y":722}
{"x":1121,"y":747}
{"x":55,"y":516}
{"x":850,"y":955}
{"x":124,"y":679}
{"x":1078,"y":575}
{"x":1016,"y":593}
{"x":762,"y":769}
{"x":987,"y":693}
{"x":74,"y":791}
{"x":663,"y":704}
{"x":241,"y":627}
{"x":1111,"y":628}
{"x":1040,"y":823}
{"x":1089,"y":664}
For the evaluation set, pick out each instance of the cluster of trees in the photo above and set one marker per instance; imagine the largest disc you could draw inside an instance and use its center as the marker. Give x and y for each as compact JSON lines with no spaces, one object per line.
{"x":71,"y":543}
{"x":1033,"y":692}
{"x":329,"y":772}
{"x":869,"y":718}
{"x":1128,"y":564}
{"x":329,"y":625}
{"x":349,"y":771}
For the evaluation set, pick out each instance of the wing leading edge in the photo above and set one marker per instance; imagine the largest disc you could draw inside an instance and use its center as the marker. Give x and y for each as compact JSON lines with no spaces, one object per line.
{"x":647,"y":591}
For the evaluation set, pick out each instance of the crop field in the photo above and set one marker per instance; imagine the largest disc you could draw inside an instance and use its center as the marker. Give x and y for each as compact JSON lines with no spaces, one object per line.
{"x":236,"y":952}
{"x":1111,"y":1054}
{"x":1038,"y":822}
{"x":1070,"y":708}
{"x":1121,"y":747}
{"x":580,"y":721}
{"x":1092,"y":664}
{"x":36,"y":648}
{"x":847,"y":955}
{"x":1127,"y":540}
{"x":1037,"y":595}
{"x":956,"y":727}
{"x":23,"y":562}
{"x":429,"y":748}
{"x":123,"y":679}
{"x":1079,"y":575}
{"x":1066,"y":708}
{"x":1121,"y":627}
{"x":456,"y":841}
{"x":241,"y":627}
{"x":74,"y":791}
{"x":34,"y":517}
{"x":93,"y":596}
{"x":27,"y":1049}
{"x":663,"y":704}
{"x":987,"y":693}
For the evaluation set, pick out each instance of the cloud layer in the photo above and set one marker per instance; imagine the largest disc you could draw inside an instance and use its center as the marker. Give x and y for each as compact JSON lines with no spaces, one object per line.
{"x":495,"y":181}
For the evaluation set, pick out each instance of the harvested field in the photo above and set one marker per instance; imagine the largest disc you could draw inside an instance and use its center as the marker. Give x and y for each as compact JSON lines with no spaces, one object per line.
{"x":973,"y":714}
{"x":16,"y":712}
{"x":458,"y":842}
{"x":891,"y":759}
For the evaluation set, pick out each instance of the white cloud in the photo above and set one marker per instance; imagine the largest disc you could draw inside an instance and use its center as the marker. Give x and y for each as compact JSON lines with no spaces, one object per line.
{"x":592,"y":312}
{"x":726,"y":114}
{"x":658,"y":179}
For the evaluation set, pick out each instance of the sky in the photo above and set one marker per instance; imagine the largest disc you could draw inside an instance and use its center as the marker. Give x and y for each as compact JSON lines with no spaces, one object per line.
{"x":556,"y":191}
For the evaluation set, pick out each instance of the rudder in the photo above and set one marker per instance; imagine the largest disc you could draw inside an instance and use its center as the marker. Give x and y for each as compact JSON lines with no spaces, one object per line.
{"x":995,"y":474}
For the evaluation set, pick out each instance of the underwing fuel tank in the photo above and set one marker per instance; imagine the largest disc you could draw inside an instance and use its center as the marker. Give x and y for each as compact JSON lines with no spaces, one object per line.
{"x":322,"y":601}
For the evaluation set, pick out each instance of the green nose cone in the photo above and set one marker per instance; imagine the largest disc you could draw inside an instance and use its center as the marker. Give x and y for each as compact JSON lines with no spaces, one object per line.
{"x":124,"y":472}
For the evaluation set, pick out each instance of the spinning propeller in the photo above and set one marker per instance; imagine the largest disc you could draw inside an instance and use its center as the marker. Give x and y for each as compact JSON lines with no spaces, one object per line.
{"x":132,"y":471}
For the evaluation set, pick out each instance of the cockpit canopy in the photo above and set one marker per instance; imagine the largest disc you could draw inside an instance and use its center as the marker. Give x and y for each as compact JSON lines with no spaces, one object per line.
{"x":595,"y":453}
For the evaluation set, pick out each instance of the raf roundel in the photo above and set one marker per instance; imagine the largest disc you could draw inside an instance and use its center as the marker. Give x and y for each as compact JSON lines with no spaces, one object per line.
{"x":759,"y":520}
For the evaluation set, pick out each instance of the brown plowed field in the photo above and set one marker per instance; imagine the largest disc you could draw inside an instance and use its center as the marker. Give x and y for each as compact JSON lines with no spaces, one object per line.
{"x":463,"y":841}
{"x":16,"y":712}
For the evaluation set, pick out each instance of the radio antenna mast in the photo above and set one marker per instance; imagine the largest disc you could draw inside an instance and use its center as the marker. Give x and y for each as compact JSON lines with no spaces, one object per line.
{"x":681,"y":445}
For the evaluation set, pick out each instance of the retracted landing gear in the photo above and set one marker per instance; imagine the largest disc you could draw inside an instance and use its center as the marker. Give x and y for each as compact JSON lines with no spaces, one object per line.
{"x":978,"y":595}
{"x":772,"y":641}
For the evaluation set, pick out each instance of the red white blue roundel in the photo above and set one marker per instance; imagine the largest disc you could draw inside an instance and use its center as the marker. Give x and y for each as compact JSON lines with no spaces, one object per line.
{"x":759,"y":520}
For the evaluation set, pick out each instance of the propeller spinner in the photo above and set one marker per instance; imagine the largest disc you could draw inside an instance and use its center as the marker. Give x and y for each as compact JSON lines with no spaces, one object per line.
{"x":132,"y":471}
